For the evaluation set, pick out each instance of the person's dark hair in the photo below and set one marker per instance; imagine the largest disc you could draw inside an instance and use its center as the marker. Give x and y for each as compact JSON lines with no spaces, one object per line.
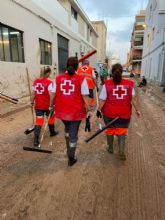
{"x":44,"y":71}
{"x":47,"y":70}
{"x":117,"y":70}
{"x":72,"y":65}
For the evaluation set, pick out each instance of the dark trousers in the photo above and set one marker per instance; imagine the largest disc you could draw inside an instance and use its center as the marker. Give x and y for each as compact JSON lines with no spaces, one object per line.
{"x":71,"y":128}
{"x":42,"y":112}
{"x":91,"y":94}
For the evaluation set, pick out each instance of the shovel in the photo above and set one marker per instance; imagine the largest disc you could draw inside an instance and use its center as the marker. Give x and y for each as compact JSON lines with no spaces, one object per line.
{"x":101,"y":130}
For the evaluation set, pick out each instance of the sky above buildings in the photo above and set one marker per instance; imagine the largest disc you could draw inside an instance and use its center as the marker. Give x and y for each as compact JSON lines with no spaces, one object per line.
{"x":119,"y":15}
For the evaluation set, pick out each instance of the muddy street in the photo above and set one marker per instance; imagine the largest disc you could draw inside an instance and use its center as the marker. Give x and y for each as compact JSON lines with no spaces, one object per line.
{"x":42,"y":186}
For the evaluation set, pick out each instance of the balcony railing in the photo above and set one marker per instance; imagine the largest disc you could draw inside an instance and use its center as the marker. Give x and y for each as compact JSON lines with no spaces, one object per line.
{"x":136,"y":57}
{"x":138,"y":43}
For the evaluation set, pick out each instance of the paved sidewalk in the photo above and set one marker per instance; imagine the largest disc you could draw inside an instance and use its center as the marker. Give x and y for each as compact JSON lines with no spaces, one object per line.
{"x":155,"y":93}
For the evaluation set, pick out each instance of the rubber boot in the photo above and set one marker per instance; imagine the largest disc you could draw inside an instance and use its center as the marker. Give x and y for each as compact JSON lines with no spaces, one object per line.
{"x":37,"y":131}
{"x":71,"y":154}
{"x":110,"y":139}
{"x":67,"y":143}
{"x":52,"y":131}
{"x":121,"y":143}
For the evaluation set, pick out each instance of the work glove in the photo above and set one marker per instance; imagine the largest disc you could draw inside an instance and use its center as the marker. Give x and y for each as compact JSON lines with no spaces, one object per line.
{"x":87,"y":125}
{"x":99,"y":114}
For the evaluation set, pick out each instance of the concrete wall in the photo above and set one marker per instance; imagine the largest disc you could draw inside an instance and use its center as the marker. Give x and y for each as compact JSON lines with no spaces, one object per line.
{"x":35,"y":23}
{"x":154,"y":39}
{"x":54,"y":9}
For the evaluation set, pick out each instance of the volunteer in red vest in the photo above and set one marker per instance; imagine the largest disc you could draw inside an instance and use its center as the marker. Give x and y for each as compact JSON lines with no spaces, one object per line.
{"x":116,"y":99}
{"x":89,"y":73}
{"x":41,"y":101}
{"x":70,"y":95}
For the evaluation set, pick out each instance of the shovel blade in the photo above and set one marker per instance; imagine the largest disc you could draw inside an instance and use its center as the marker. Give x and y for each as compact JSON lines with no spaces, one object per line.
{"x":37,"y":149}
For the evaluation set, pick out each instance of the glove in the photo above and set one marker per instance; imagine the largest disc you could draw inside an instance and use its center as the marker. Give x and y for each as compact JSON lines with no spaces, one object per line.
{"x":87,"y":125}
{"x":97,"y":89}
{"x":99,"y":114}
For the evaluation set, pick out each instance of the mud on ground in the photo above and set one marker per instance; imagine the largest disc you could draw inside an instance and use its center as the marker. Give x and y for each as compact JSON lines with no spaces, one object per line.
{"x":99,"y":187}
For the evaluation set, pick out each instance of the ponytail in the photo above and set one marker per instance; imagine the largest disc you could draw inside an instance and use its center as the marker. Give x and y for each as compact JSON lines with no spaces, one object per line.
{"x":117,"y":70}
{"x":44,"y":71}
{"x":72,"y":65}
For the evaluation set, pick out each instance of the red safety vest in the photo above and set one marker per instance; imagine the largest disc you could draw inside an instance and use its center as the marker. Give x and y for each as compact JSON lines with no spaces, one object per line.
{"x":119,"y":97}
{"x":87,"y":71}
{"x":41,"y":93}
{"x":69,"y":104}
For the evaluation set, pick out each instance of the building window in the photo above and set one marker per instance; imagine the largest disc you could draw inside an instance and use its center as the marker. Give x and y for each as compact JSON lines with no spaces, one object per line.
{"x":11,"y":44}
{"x":88,"y":33}
{"x":45,"y":52}
{"x":63,"y":52}
{"x":73,"y":13}
{"x":138,"y":41}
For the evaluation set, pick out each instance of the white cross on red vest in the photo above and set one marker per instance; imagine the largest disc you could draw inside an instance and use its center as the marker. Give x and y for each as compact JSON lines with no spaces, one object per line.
{"x":84,"y":68}
{"x":39,"y":88}
{"x":67,"y":87}
{"x":119,"y":92}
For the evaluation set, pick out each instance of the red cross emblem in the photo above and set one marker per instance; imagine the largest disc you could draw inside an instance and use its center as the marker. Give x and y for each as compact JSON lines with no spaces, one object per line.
{"x":119,"y":92}
{"x":84,"y":68}
{"x":39,"y":88}
{"x":67,"y":87}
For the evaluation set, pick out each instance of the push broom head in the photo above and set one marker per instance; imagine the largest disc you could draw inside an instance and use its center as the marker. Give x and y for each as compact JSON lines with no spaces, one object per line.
{"x":37,"y":149}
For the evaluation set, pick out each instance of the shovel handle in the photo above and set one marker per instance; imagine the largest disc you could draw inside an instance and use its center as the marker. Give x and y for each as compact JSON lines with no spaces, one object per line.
{"x":9,"y":100}
{"x":30,"y":93}
{"x":101,"y":130}
{"x":8,"y":97}
{"x":45,"y":127}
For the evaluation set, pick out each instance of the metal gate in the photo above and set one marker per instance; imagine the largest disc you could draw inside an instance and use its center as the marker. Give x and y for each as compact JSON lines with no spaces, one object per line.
{"x":62,"y":53}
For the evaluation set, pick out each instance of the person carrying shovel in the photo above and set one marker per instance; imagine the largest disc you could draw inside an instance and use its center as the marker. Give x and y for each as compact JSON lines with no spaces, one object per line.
{"x":116,"y":99}
{"x":41,"y":100}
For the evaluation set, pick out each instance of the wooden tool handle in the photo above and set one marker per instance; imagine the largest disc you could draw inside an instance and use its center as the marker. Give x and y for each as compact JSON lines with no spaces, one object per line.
{"x":9,"y":100}
{"x":30,"y":93}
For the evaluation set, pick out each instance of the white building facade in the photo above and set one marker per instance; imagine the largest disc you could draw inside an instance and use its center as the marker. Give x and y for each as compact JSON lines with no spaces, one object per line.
{"x":101,"y":30}
{"x":34,"y":34}
{"x":114,"y":59}
{"x":153,"y":62}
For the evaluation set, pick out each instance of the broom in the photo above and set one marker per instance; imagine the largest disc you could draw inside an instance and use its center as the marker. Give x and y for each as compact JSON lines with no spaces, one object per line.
{"x":39,"y":148}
